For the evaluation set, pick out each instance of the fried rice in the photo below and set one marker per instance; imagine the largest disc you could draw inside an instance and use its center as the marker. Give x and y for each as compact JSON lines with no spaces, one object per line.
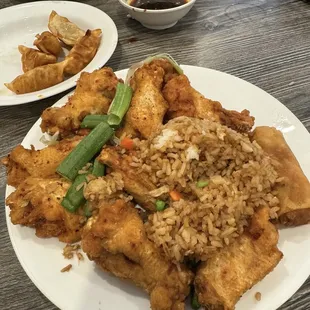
{"x":239,"y":178}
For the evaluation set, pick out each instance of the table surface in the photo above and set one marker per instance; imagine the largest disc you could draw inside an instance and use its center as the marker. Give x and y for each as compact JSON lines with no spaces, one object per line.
{"x":266,"y":42}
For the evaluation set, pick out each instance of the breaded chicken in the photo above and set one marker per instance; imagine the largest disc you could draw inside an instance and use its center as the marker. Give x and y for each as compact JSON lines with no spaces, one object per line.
{"x":93,"y":95}
{"x":224,"y":278}
{"x":170,"y":72}
{"x":148,"y":105}
{"x":184,"y":100}
{"x":294,"y":191}
{"x":137,"y":185}
{"x":36,"y":203}
{"x":21,"y":162}
{"x":117,"y":242}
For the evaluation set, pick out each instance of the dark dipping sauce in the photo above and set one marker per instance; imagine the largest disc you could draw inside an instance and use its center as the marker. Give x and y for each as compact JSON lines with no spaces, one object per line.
{"x":157,"y":4}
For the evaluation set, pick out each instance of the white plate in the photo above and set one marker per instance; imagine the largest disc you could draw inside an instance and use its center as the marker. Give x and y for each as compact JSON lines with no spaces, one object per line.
{"x":19,"y":25}
{"x":86,"y":287}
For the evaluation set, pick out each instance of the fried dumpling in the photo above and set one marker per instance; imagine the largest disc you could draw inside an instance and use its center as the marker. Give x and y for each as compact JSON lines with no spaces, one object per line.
{"x":32,"y":58}
{"x":46,"y":42}
{"x":83,"y":52}
{"x":64,"y":29}
{"x":37,"y":79}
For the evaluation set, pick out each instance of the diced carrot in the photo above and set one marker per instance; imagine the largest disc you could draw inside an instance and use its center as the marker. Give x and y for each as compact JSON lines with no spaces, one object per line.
{"x":127,"y":143}
{"x":175,"y":195}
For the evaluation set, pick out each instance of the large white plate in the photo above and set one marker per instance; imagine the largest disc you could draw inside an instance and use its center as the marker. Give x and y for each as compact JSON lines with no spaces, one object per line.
{"x":18,"y":26}
{"x":86,"y":287}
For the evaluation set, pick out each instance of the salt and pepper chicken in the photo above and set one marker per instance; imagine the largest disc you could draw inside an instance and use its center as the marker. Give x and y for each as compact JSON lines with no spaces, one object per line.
{"x":114,"y":236}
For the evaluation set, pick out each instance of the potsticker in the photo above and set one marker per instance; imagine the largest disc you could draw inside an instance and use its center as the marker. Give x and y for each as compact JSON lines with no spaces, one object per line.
{"x":64,"y":29}
{"x":37,"y":79}
{"x":83,"y":52}
{"x":46,"y":42}
{"x":32,"y":58}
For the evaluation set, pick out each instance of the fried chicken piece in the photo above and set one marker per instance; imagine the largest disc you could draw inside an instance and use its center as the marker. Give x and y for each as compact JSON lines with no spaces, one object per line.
{"x":93,"y":95}
{"x":184,"y":100}
{"x":21,"y":162}
{"x":170,"y":72}
{"x":148,"y":105}
{"x":32,"y":58}
{"x":117,"y":242}
{"x":83,"y":52}
{"x":224,"y":278}
{"x":294,"y":191}
{"x":36,"y":203}
{"x":137,"y":185}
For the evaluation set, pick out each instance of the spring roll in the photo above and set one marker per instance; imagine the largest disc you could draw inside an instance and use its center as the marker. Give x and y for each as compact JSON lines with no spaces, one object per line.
{"x":294,"y":191}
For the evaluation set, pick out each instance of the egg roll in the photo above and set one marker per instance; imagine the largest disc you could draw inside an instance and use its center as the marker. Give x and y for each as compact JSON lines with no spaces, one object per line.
{"x":46,"y":42}
{"x":64,"y":29}
{"x":83,"y":52}
{"x":294,"y":190}
{"x":37,"y":79}
{"x":32,"y":58}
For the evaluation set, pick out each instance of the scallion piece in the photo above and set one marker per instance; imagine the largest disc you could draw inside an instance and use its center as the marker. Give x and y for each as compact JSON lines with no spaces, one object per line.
{"x":74,"y":197}
{"x":91,"y":121}
{"x":98,"y":169}
{"x":194,"y":302}
{"x":120,"y":104}
{"x":85,"y":151}
{"x":202,"y":184}
{"x":87,"y":211}
{"x":160,"y":205}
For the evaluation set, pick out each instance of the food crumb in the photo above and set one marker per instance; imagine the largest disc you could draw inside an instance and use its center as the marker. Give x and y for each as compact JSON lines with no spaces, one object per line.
{"x":70,"y":249}
{"x":66,"y":269}
{"x":40,"y":96}
{"x":132,"y":40}
{"x":258,"y":296}
{"x":80,"y":256}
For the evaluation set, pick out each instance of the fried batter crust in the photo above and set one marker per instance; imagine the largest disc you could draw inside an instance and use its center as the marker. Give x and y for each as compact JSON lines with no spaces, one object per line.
{"x":224,"y":278}
{"x":184,"y":100}
{"x":294,"y":191}
{"x":36,"y":203}
{"x":116,"y":241}
{"x":93,"y":95}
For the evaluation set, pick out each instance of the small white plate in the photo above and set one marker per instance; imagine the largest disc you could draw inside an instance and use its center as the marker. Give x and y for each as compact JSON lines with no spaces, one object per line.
{"x":87,"y":287}
{"x":21,"y":23}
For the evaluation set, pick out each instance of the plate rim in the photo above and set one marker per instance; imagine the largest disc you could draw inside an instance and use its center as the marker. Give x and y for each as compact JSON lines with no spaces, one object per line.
{"x":284,"y":296}
{"x":14,"y":99}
